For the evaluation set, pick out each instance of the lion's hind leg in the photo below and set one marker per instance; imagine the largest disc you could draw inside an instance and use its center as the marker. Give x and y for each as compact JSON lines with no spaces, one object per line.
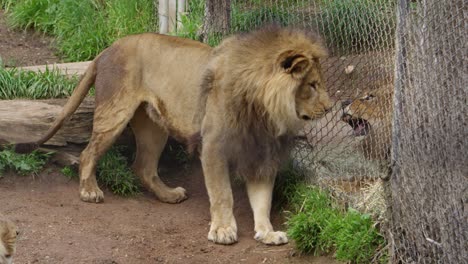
{"x":109,"y":122}
{"x":150,"y":140}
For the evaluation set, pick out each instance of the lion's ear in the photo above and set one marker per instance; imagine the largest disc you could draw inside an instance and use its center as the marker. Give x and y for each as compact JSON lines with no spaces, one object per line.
{"x":295,"y":64}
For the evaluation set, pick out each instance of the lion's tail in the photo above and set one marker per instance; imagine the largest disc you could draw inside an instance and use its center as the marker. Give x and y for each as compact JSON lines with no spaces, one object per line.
{"x":70,"y":107}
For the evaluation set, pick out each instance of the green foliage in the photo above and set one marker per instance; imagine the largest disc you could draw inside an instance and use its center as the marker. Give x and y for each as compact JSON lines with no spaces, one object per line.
{"x":318,"y":226}
{"x":69,"y":172}
{"x":242,"y":19}
{"x":357,"y":25}
{"x":23,"y":164}
{"x":192,"y":21}
{"x":353,"y":236}
{"x":248,"y":19}
{"x":286,"y":181}
{"x":83,"y":28}
{"x":51,"y":83}
{"x":113,"y":171}
{"x":312,"y":211}
{"x":175,"y":152}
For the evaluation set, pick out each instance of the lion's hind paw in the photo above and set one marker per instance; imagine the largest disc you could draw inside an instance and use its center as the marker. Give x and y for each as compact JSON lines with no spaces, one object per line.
{"x":173,"y":196}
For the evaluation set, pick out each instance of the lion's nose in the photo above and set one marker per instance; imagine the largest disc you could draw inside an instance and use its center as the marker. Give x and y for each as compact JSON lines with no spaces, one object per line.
{"x":345,"y":103}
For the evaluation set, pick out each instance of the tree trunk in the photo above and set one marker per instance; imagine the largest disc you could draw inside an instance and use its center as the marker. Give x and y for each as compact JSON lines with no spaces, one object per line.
{"x":217,"y":20}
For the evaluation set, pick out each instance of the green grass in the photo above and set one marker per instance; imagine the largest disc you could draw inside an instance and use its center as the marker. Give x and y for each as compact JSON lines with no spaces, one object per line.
{"x":51,"y":83}
{"x":113,"y":171}
{"x":69,"y":172}
{"x":82,"y":28}
{"x":351,"y":26}
{"x":243,"y":18}
{"x":286,"y":181}
{"x":319,"y":226}
{"x":23,"y":164}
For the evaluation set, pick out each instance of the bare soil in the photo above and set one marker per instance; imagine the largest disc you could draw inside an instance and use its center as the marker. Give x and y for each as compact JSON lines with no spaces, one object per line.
{"x":56,"y":227}
{"x":24,"y":47}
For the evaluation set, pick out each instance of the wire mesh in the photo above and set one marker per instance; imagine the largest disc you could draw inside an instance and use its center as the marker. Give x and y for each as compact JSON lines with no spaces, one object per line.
{"x":420,"y":59}
{"x":429,"y":181}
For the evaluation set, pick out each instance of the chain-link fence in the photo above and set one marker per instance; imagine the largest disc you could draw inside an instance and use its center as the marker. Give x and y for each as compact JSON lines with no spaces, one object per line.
{"x":429,"y":181}
{"x":414,"y":51}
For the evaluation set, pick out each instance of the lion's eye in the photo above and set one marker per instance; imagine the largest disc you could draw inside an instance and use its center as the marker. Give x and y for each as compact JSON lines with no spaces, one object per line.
{"x":7,"y":256}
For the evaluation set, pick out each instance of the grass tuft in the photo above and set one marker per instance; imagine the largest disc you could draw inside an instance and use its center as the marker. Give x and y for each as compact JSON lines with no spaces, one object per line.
{"x":357,"y":25}
{"x":114,"y":172}
{"x":15,"y":83}
{"x":82,"y":28}
{"x":319,"y":226}
{"x":243,"y":18}
{"x":69,"y":172}
{"x":23,"y":164}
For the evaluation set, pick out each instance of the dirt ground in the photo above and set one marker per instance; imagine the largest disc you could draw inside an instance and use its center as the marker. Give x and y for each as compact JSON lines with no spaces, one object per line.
{"x":56,"y":227}
{"x":24,"y":48}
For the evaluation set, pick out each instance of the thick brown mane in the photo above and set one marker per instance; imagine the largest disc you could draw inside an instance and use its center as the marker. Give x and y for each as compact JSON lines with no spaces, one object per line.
{"x":258,"y":96}
{"x":256,"y":89}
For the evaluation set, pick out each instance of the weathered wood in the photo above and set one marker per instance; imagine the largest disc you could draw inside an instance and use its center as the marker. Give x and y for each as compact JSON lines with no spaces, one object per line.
{"x":73,"y":68}
{"x":27,"y":120}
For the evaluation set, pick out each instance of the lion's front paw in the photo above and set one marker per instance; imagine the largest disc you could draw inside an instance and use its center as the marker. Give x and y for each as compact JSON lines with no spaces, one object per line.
{"x":223,"y":235}
{"x":92,"y":195}
{"x":175,"y":195}
{"x":272,"y":238}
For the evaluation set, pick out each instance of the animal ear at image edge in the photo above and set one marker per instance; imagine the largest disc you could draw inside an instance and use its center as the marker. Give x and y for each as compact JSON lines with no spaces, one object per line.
{"x":295,"y":64}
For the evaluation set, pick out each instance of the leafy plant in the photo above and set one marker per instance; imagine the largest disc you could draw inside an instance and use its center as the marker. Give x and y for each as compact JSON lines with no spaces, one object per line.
{"x":69,"y":172}
{"x":285,"y":185}
{"x":242,"y":19}
{"x":82,"y":28}
{"x":353,"y":236}
{"x":113,"y":171}
{"x":23,"y":164}
{"x":51,"y":83}
{"x":318,"y":226}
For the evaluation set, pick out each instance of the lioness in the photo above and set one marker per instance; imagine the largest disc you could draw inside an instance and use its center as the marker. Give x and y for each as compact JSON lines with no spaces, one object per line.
{"x":8,"y":233}
{"x":244,"y":101}
{"x":371,"y":116}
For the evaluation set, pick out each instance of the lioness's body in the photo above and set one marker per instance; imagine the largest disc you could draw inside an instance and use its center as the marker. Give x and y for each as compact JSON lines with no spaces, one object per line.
{"x":144,"y":59}
{"x":246,"y":99}
{"x":8,"y":234}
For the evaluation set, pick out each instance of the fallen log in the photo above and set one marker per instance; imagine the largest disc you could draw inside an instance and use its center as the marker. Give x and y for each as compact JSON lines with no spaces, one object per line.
{"x":28,"y":120}
{"x":71,"y":68}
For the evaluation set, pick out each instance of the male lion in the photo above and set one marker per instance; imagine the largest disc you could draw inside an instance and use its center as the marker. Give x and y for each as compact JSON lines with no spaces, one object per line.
{"x":243,"y":101}
{"x":371,"y":116}
{"x":8,"y":235}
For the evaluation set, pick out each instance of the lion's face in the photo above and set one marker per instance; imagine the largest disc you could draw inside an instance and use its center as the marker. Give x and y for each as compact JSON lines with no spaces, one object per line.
{"x":8,"y":233}
{"x":372,"y":110}
{"x":312,"y":99}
